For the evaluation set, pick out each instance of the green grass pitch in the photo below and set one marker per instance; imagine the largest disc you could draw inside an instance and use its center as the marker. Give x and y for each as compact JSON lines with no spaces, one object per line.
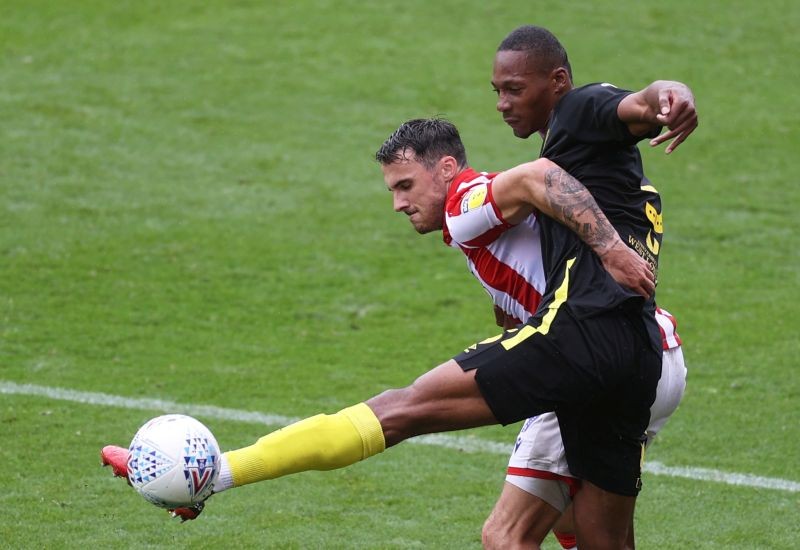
{"x":189,"y":211}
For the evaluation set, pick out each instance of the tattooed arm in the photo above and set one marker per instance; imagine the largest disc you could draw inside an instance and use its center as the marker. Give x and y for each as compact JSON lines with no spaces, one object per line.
{"x":541,"y":185}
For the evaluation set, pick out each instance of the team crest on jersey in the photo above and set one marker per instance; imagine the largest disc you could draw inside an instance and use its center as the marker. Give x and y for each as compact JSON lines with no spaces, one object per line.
{"x":474,"y":198}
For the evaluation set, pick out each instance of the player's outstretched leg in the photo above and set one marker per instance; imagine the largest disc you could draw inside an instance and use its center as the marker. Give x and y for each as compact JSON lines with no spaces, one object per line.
{"x":445,"y":398}
{"x":322,"y":442}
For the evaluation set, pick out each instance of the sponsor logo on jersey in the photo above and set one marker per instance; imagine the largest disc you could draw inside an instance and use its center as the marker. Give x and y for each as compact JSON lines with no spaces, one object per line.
{"x":474,"y":198}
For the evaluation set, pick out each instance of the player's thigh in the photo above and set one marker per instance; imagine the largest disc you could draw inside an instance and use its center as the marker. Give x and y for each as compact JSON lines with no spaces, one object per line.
{"x":602,"y":519}
{"x":443,"y":399}
{"x":553,"y":491}
{"x":539,"y":448}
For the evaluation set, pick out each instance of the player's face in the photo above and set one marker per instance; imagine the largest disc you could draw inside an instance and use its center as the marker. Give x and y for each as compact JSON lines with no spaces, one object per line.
{"x":417,"y":191}
{"x":525,"y":94}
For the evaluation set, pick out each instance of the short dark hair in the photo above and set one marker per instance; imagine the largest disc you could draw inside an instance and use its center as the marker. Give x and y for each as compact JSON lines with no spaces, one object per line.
{"x":429,"y":138}
{"x":540,"y":42}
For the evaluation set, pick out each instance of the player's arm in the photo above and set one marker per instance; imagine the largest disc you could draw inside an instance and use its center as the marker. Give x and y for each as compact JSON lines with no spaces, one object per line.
{"x":662,"y":103}
{"x":542,"y":185}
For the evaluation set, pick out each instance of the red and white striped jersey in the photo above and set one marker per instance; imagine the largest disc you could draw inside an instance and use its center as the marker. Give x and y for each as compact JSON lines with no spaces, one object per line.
{"x":669,"y":329}
{"x":505,"y":258}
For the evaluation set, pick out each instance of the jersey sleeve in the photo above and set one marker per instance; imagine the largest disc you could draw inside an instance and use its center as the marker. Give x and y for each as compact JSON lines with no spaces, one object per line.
{"x":589,"y":114}
{"x":472,"y":219}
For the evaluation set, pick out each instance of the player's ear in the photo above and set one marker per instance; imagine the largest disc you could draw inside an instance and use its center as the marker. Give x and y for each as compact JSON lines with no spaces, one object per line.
{"x":449,"y":167}
{"x":560,"y":78}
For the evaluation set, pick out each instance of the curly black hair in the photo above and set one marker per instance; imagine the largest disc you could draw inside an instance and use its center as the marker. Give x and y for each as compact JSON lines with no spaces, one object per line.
{"x":542,"y":43}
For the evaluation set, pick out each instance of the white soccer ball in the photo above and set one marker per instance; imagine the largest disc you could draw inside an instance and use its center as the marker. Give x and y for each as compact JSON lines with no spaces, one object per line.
{"x":173,"y":461}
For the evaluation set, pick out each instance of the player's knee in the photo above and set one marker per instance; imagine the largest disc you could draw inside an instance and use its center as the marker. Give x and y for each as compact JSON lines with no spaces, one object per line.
{"x":500,"y":535}
{"x":395,"y":411}
{"x":442,"y":399}
{"x":491,"y":535}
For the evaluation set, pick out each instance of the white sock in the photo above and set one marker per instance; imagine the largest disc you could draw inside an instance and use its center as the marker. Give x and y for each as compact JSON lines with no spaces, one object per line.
{"x":225,"y":478}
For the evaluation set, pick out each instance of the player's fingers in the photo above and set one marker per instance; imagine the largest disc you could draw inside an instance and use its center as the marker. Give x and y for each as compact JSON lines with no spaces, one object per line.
{"x":646,"y":288}
{"x":664,"y":102}
{"x":641,"y":290}
{"x":685,"y":129}
{"x":686,"y":117}
{"x":675,"y":142}
{"x":679,"y":108}
{"x":666,"y":136}
{"x":661,"y":138}
{"x":679,"y":121}
{"x":644,"y":284}
{"x":679,"y":132}
{"x":674,"y":128}
{"x":673,"y":114}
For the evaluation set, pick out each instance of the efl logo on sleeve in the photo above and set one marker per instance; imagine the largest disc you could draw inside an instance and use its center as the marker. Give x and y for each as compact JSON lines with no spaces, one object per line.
{"x":474,"y":198}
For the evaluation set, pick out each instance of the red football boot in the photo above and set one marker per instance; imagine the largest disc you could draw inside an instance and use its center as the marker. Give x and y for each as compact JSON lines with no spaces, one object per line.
{"x":188,"y":513}
{"x":117,"y":458}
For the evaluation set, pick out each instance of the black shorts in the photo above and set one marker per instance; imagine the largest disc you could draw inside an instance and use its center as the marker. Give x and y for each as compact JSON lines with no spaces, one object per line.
{"x":598,"y":374}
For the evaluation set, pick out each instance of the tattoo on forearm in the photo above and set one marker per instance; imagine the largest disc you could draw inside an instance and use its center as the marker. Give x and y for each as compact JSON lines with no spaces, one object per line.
{"x":574,"y":206}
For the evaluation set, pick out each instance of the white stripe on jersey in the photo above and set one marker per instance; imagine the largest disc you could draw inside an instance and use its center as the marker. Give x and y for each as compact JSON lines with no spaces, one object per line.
{"x":511,"y":270}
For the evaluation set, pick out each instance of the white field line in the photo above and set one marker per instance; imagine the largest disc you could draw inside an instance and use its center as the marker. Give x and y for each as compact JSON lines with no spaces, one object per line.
{"x":461,"y":443}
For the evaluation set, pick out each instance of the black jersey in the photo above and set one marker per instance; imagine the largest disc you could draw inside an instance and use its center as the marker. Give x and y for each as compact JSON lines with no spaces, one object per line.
{"x":586,"y":138}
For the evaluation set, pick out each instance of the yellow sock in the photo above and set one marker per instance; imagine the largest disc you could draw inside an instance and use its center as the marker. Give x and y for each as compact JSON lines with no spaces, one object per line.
{"x":322,"y":442}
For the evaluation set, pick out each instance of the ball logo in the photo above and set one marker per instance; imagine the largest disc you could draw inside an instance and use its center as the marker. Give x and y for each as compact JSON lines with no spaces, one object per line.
{"x":474,"y":199}
{"x":199,"y":461}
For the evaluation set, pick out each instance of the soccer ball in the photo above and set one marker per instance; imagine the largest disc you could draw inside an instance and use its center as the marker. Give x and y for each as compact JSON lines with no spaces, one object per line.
{"x":173,"y":461}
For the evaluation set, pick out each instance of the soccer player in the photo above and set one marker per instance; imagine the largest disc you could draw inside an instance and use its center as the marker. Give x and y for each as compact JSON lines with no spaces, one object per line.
{"x":508,"y":263}
{"x":585,"y":133}
{"x":554,"y":360}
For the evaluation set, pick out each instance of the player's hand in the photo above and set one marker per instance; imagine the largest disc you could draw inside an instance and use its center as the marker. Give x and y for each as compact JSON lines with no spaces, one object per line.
{"x":629,"y":269}
{"x":503,"y":320}
{"x":677,"y":113}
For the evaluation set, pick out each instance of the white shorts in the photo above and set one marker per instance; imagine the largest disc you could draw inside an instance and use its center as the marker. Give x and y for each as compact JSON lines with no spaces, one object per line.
{"x":538,"y":463}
